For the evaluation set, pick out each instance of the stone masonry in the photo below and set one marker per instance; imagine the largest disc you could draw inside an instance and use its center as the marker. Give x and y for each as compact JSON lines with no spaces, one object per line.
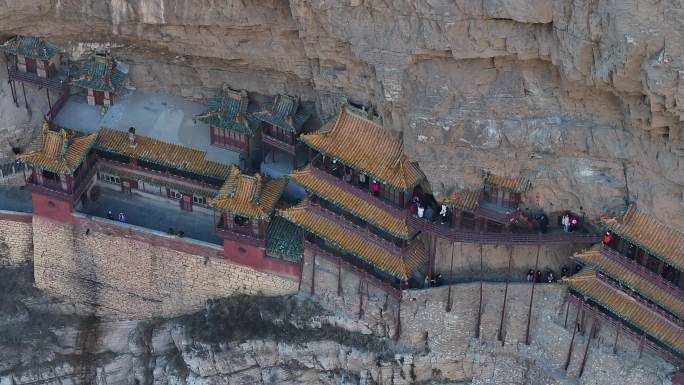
{"x":16,"y":239}
{"x":121,"y":276}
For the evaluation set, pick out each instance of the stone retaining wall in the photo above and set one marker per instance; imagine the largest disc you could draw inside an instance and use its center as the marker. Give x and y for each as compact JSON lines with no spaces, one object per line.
{"x":129,"y":272}
{"x":16,"y":238}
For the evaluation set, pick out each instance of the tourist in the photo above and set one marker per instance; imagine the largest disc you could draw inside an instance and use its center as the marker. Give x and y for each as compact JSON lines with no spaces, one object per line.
{"x":565,"y":221}
{"x":607,"y":238}
{"x":438,"y":280}
{"x":564,"y":272}
{"x":181,"y":233}
{"x":573,"y":222}
{"x":421,"y":209}
{"x":362,"y":180}
{"x":429,"y":212}
{"x":172,"y":231}
{"x":530,"y":275}
{"x":539,"y":276}
{"x":426,"y":284}
{"x":110,"y":216}
{"x":376,"y":187}
{"x":549,"y":277}
{"x":543,"y":223}
{"x":122,"y":217}
{"x":413,"y":208}
{"x":347,"y":176}
{"x":443,"y":214}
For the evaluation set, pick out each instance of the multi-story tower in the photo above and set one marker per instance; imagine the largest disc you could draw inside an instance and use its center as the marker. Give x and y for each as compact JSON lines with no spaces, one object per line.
{"x":636,"y":279}
{"x":282,"y":121}
{"x":358,"y":183}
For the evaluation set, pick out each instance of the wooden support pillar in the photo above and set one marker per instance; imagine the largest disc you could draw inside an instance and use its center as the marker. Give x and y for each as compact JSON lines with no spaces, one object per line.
{"x":313,"y":275}
{"x":503,"y":308}
{"x":397,"y":330}
{"x":13,"y":88}
{"x":47,"y":91}
{"x":641,"y":344}
{"x":572,"y":340}
{"x":431,"y":263}
{"x":479,"y":308}
{"x":339,"y":277}
{"x":451,"y":269}
{"x":581,"y":325}
{"x":529,"y":310}
{"x":617,"y":334}
{"x":586,"y":349}
{"x":567,"y":310}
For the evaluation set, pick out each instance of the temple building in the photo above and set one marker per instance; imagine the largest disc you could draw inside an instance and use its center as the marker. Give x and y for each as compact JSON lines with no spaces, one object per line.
{"x":231,"y":126}
{"x":35,"y":61}
{"x":358,"y":183}
{"x":32,"y":55}
{"x":282,"y":122}
{"x":136,"y":163}
{"x":60,"y":164}
{"x":245,"y":206}
{"x":102,"y":77}
{"x":635,"y":279}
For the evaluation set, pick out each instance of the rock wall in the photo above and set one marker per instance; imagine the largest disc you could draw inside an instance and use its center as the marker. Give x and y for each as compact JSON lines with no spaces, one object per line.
{"x":16,"y":239}
{"x":583,"y":98}
{"x":122,"y":274}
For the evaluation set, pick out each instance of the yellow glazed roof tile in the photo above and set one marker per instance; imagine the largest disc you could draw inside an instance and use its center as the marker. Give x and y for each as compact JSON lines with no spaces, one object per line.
{"x":58,"y":151}
{"x":399,"y":266}
{"x":249,"y":196}
{"x":642,"y":229}
{"x":519,"y":185}
{"x":463,"y":200}
{"x":163,"y":153}
{"x":352,"y":203}
{"x":627,"y":308}
{"x":668,"y":300}
{"x":363,"y":144}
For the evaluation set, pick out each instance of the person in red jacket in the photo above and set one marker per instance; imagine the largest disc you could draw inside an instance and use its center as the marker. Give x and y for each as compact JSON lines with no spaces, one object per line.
{"x":607,"y":238}
{"x":376,"y":187}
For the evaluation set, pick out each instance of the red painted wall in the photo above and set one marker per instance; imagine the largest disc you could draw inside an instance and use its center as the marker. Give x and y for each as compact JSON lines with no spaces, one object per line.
{"x":255,"y":257}
{"x":53,"y":208}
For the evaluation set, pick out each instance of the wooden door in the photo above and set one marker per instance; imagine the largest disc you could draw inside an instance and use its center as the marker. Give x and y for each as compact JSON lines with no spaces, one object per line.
{"x":186,"y":202}
{"x":99,"y":98}
{"x":30,"y":65}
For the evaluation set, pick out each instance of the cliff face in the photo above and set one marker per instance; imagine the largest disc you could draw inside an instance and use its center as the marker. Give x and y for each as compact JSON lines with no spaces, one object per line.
{"x":582,"y":97}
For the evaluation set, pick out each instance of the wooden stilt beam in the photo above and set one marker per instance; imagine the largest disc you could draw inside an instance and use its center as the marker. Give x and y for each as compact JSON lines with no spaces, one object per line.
{"x":451,"y":269}
{"x":581,"y":325}
{"x":47,"y":91}
{"x":586,"y":349}
{"x":479,"y":308}
{"x":360,"y":298}
{"x":23,"y":89}
{"x":617,"y":334}
{"x":313,"y":275}
{"x":641,"y":344}
{"x":13,"y":88}
{"x":503,"y":308}
{"x":572,"y":341}
{"x":529,"y":310}
{"x":567,"y":310}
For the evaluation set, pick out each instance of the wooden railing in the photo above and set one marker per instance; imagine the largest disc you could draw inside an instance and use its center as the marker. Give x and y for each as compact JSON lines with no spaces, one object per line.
{"x":52,"y":114}
{"x":496,"y":216}
{"x":641,"y":271}
{"x":52,"y":82}
{"x":363,"y":194}
{"x":279,"y":144}
{"x":459,"y":235}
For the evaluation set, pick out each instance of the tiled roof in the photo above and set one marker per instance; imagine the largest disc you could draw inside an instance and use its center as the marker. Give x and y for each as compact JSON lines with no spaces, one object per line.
{"x":159,"y":152}
{"x":249,"y":196}
{"x":668,"y":300}
{"x":465,"y":200}
{"x":282,"y":112}
{"x":518,"y":185}
{"x":364,"y":145}
{"x":284,"y":239}
{"x":58,"y":151}
{"x":646,"y":232}
{"x":396,"y":265}
{"x":30,"y":46}
{"x":229,"y":110}
{"x":627,"y":308}
{"x":352,"y":203}
{"x":101,"y":73}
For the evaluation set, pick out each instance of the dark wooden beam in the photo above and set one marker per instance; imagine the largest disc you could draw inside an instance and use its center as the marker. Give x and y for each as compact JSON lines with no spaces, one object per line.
{"x":572,"y":341}
{"x":479,"y":308}
{"x":503,"y":308}
{"x":451,"y":269}
{"x":529,"y":310}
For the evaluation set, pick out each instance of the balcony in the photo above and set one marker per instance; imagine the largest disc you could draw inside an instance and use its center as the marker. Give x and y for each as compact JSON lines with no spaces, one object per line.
{"x":56,"y":82}
{"x":280,"y":144}
{"x":55,"y":188}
